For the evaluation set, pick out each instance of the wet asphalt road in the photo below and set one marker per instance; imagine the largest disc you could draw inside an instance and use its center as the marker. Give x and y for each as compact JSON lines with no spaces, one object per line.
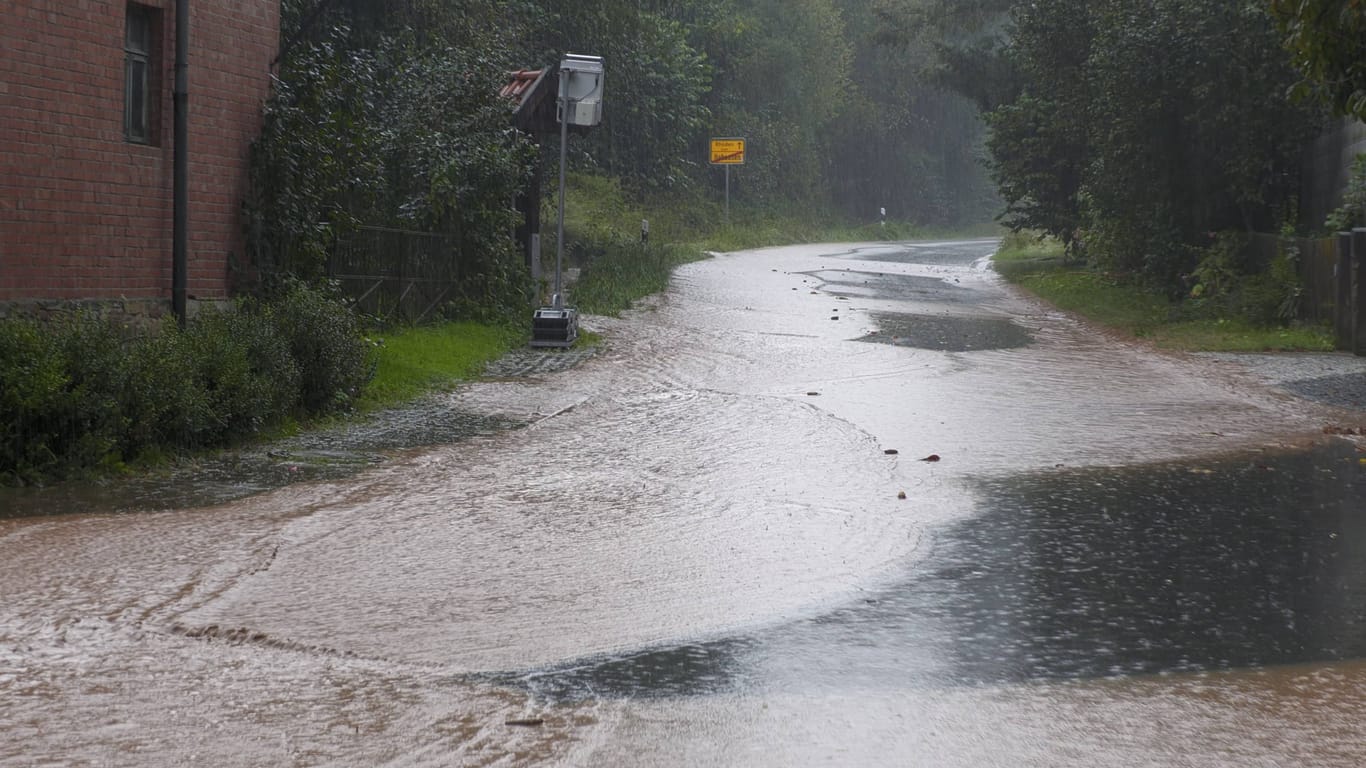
{"x":823,"y":505}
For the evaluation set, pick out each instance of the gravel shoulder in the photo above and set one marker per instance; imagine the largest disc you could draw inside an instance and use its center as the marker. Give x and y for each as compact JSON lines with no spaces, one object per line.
{"x":1332,"y":378}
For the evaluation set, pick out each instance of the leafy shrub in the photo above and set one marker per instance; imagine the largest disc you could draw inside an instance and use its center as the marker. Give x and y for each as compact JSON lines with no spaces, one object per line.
{"x":323,"y":336}
{"x":60,"y":406}
{"x":92,"y":420}
{"x":1352,"y":212}
{"x":1272,"y":296}
{"x":33,"y":387}
{"x":165,"y":406}
{"x":245,"y":370}
{"x":81,"y":392}
{"x":1231,"y":281}
{"x":1220,"y":270}
{"x":64,"y":405}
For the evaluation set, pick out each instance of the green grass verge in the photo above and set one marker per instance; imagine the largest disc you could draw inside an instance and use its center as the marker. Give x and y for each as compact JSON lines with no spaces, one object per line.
{"x":1129,"y":308}
{"x":622,"y":273}
{"x":597,"y":209}
{"x":413,"y":361}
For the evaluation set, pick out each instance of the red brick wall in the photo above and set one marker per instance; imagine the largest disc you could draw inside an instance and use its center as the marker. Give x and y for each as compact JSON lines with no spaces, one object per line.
{"x":85,"y":214}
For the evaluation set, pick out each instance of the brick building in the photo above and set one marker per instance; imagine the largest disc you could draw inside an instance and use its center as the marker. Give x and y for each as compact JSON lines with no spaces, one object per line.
{"x":86,"y":146}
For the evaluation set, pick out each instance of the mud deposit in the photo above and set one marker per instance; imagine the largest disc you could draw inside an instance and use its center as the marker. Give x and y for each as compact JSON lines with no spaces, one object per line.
{"x":712,"y":541}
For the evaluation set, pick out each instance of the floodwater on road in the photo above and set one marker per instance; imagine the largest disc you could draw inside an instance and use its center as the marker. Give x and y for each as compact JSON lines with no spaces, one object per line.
{"x":827,"y":505}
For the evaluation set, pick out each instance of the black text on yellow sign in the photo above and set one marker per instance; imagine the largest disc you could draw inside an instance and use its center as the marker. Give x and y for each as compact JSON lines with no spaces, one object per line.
{"x":727,"y":151}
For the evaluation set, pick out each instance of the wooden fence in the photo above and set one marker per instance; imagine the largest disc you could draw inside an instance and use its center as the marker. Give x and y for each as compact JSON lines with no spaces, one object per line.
{"x":396,"y":274}
{"x":1333,"y":280}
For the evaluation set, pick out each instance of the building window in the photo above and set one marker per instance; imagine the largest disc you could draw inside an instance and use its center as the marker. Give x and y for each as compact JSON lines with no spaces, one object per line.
{"x":138,"y":58}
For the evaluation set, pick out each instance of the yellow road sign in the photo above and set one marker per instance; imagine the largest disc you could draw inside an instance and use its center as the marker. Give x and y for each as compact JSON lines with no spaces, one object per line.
{"x":727,"y":151}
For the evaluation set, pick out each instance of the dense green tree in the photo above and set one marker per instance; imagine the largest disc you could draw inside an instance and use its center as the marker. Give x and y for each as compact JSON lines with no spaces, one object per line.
{"x":900,"y":141}
{"x":783,"y":76}
{"x":1146,"y":127}
{"x":387,"y":127}
{"x":966,"y":41}
{"x":1040,"y":138}
{"x":1327,"y":40}
{"x":1038,"y":160}
{"x":655,"y":84}
{"x":385,"y":114}
{"x":1192,"y":132}
{"x":315,"y":170}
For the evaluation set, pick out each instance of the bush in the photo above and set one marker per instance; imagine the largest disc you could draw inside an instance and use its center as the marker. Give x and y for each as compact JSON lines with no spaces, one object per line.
{"x":60,"y":405}
{"x":1352,"y":212}
{"x":1231,"y":282}
{"x":33,"y":390}
{"x":82,"y":393}
{"x":167,"y":409}
{"x":245,"y":369}
{"x":1272,"y":296}
{"x":324,"y":338}
{"x":92,"y":420}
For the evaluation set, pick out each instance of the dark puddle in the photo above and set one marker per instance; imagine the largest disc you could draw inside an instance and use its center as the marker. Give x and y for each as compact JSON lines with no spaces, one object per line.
{"x":947,"y":333}
{"x":1072,"y":574}
{"x":935,"y":254}
{"x":879,"y":285}
{"x":687,"y":670}
{"x":1248,"y":561}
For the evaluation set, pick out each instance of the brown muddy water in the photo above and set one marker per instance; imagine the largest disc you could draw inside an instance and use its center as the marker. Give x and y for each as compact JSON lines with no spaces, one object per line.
{"x":689,"y":549}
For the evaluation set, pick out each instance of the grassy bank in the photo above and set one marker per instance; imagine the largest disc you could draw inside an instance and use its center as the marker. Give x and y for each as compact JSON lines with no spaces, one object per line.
{"x":1130,"y":308}
{"x":412,"y":361}
{"x":597,"y":209}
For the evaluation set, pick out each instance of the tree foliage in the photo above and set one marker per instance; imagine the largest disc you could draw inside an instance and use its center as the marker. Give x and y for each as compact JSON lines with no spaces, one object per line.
{"x":962,"y":43}
{"x":385,"y":114}
{"x":1327,"y":41}
{"x":901,"y":141}
{"x":656,"y":82}
{"x":1139,"y":129}
{"x":1198,"y":134}
{"x":387,"y":127}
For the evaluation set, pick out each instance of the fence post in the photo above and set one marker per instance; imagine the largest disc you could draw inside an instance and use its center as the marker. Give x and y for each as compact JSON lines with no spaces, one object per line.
{"x":1359,"y":295}
{"x":1342,"y":283}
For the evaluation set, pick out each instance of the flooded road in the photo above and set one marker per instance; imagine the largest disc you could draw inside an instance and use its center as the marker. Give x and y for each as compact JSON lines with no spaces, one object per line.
{"x":821,"y":505}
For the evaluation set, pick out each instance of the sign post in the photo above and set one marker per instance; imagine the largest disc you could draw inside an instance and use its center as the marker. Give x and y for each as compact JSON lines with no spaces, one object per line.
{"x":579,"y":103}
{"x":727,"y":152}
